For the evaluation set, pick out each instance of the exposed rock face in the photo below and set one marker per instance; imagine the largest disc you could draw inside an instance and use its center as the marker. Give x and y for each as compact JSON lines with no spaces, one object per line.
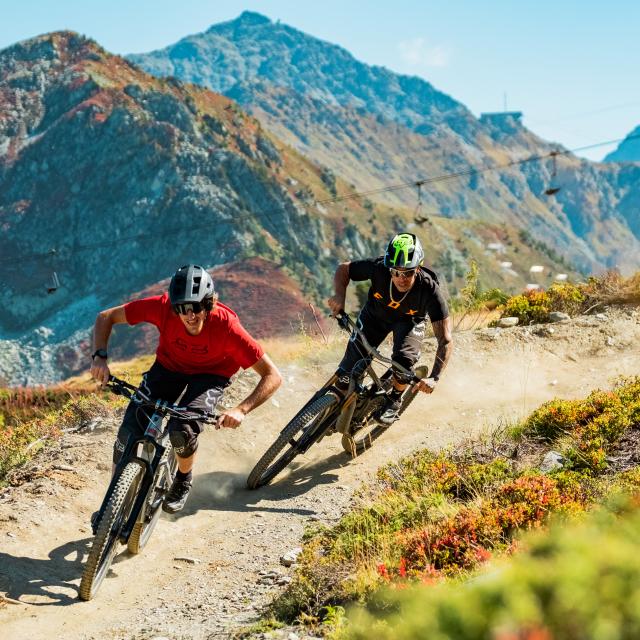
{"x":628,"y":150}
{"x":376,"y":128}
{"x":111,"y":179}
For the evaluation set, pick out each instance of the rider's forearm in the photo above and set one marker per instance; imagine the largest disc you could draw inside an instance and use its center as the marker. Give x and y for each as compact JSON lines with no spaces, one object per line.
{"x":442,"y":329}
{"x":265,"y":388}
{"x":102,"y":330}
{"x":104,"y":324}
{"x":341,"y":279}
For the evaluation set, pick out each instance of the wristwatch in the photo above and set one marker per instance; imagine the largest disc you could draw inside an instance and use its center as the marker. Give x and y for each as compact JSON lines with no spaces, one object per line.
{"x":100,"y":353}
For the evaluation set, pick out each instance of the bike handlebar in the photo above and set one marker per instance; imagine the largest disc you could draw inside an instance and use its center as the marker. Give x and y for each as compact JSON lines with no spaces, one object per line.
{"x":346,"y":323}
{"x":135,"y":394}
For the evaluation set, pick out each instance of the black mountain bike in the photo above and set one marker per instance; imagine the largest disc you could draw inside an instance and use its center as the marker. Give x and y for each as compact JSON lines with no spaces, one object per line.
{"x":131,"y":507}
{"x":328,"y":411}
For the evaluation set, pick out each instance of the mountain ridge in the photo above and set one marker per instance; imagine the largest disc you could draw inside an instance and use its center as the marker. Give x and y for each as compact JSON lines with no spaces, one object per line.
{"x":303,"y":89}
{"x":111,"y":178}
{"x":628,"y":150}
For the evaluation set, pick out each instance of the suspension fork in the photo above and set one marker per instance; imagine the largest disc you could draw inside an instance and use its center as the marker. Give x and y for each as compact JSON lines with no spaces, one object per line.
{"x":145,"y":484}
{"x":125,"y":458}
{"x":343,"y":421}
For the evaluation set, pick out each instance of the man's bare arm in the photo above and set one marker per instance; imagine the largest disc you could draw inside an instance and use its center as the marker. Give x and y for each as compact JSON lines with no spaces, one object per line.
{"x":270,"y":380}
{"x":442,"y":329}
{"x":101,"y":333}
{"x":340,"y":284}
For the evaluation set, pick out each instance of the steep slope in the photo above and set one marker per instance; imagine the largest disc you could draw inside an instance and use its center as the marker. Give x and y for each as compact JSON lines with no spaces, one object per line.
{"x":628,"y":150}
{"x":110,"y":179}
{"x":235,"y":538}
{"x":378,"y":128}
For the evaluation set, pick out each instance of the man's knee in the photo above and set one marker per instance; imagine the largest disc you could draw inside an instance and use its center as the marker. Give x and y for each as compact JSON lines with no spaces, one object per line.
{"x":183,"y":440}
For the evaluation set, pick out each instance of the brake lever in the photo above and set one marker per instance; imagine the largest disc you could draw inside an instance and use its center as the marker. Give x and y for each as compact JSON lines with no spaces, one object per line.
{"x":343,"y":320}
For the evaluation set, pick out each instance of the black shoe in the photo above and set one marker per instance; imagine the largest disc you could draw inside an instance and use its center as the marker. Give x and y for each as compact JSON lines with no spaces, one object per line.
{"x":388,"y":414}
{"x":95,"y":521}
{"x":177,"y":496}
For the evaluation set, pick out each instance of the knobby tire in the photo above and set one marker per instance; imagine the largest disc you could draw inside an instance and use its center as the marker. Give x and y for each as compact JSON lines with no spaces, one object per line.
{"x":270,"y":464}
{"x":142,"y":531}
{"x":106,"y":541}
{"x":357,"y":443}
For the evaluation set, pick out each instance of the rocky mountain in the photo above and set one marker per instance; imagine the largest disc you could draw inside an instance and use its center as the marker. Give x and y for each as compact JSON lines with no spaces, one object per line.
{"x":110,"y":179}
{"x":377,"y":128}
{"x":628,"y":150}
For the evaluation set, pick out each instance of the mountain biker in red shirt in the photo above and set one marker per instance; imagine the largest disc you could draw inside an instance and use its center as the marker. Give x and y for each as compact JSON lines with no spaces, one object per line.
{"x":202,"y":344}
{"x":403,"y":293}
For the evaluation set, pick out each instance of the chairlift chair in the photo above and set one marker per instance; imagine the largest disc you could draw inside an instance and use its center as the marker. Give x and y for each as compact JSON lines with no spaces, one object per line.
{"x":553,"y":187}
{"x":418,"y":216}
{"x":54,"y":285}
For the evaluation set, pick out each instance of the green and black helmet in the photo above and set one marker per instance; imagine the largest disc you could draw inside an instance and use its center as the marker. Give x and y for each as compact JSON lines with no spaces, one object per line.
{"x":404,"y":252}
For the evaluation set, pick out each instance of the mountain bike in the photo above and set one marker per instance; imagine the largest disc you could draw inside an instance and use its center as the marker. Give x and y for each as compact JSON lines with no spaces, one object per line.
{"x":132,"y":504}
{"x":350,"y":413}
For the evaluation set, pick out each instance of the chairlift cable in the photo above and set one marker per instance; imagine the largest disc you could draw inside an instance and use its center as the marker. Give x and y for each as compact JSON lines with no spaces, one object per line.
{"x":351,"y":196}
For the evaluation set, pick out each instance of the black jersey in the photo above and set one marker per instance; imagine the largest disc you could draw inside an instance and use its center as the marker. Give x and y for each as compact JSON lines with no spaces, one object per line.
{"x":388,"y":304}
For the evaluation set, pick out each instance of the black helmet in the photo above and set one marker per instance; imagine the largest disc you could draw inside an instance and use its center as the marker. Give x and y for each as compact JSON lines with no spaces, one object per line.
{"x":404,"y":251}
{"x":191,"y":284}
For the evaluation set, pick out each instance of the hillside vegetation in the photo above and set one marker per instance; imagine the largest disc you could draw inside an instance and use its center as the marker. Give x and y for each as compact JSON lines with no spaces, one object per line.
{"x":437,"y":518}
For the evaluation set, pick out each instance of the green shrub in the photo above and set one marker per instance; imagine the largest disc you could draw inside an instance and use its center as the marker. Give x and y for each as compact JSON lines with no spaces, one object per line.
{"x":579,"y":581}
{"x":529,"y":308}
{"x":589,"y":429}
{"x":565,"y":297}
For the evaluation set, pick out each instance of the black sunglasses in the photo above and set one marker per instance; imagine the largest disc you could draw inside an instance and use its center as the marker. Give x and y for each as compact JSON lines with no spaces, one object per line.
{"x":184,"y":308}
{"x":405,"y":273}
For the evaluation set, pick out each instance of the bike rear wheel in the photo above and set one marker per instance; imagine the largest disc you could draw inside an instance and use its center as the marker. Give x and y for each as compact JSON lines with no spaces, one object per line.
{"x":105,"y":543}
{"x":357,"y":443}
{"x":152,"y":507}
{"x":278,"y":456}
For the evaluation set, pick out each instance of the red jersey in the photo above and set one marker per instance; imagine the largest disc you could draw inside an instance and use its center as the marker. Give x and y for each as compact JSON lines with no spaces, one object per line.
{"x":222,"y":347}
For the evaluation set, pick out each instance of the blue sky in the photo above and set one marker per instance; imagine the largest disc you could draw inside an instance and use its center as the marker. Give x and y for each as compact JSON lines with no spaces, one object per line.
{"x":571,"y":67}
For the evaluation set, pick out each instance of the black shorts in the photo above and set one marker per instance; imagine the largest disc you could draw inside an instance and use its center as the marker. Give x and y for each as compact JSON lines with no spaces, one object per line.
{"x":407,"y":341}
{"x":201,"y":391}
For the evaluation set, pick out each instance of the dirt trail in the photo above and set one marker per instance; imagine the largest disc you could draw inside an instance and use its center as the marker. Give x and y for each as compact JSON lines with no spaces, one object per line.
{"x":228,"y":534}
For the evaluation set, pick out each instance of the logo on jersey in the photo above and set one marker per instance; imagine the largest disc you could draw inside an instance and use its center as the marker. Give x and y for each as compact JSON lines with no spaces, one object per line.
{"x":200,"y":349}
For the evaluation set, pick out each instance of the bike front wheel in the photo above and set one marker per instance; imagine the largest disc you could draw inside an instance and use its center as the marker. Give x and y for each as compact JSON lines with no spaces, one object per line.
{"x":286,"y":447}
{"x":105,"y":543}
{"x":152,"y":507}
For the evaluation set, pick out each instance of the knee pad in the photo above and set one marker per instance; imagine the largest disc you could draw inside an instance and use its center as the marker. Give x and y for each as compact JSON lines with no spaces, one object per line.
{"x":183,"y":441}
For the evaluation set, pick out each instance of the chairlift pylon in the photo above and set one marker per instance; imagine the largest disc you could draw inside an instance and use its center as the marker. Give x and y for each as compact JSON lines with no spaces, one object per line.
{"x":553,"y":187}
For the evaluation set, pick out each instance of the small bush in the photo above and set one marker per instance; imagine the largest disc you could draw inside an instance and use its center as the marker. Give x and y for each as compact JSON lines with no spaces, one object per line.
{"x":565,"y":297}
{"x":609,"y":289}
{"x":529,"y":308}
{"x":587,"y":429}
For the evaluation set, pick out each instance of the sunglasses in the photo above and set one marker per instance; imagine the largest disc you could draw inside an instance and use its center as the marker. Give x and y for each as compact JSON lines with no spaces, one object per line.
{"x":184,"y":308}
{"x":405,"y":273}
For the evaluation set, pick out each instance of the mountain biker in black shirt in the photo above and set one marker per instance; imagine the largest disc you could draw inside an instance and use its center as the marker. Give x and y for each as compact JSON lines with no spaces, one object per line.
{"x":403,"y":293}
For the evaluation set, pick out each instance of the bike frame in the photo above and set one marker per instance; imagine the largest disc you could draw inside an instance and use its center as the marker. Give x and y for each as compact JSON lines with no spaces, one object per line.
{"x":146,"y":451}
{"x":346,"y":406}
